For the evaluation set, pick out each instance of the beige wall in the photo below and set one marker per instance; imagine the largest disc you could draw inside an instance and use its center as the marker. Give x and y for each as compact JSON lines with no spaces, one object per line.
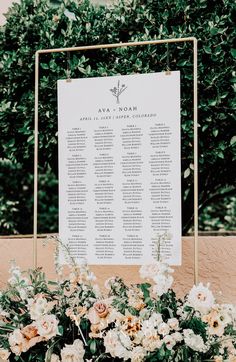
{"x":217,"y":264}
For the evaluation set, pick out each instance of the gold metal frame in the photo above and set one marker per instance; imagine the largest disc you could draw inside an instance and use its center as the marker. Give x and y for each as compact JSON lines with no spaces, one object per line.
{"x":195,"y":121}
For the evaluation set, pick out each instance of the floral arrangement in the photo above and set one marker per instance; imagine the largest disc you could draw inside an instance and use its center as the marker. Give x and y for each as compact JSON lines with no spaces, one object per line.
{"x":70,"y":320}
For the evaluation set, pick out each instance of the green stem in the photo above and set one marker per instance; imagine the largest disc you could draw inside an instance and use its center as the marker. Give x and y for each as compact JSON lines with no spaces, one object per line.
{"x":101,"y":356}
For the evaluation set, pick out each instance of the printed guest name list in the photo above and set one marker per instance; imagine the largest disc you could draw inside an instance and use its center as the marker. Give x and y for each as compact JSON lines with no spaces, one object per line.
{"x":119,"y":168}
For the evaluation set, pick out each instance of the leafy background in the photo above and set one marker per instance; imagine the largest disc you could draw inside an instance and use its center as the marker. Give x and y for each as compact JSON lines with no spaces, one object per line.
{"x":35,"y":24}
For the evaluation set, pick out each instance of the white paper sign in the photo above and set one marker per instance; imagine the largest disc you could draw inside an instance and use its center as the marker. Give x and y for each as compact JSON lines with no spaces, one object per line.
{"x":119,"y":167}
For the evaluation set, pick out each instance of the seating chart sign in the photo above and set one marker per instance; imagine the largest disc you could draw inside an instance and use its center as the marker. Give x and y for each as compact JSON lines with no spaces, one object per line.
{"x":119,"y":167}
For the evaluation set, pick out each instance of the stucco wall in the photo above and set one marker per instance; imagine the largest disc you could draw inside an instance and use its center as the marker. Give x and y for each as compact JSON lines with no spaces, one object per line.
{"x":217,"y":264}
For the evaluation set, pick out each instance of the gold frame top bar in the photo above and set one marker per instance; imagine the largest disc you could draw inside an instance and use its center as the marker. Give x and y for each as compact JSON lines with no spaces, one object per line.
{"x":116,"y":45}
{"x":195,"y":120}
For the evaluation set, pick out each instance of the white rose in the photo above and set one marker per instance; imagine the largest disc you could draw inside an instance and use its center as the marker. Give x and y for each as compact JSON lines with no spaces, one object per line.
{"x":4,"y":354}
{"x":54,"y":358}
{"x":47,"y":326}
{"x":148,"y":328}
{"x":73,"y":352}
{"x":169,"y":342}
{"x":156,"y":319}
{"x":177,"y":336}
{"x":138,"y":354}
{"x":163,"y":329}
{"x":173,"y":323}
{"x":201,"y":298}
{"x":152,"y":342}
{"x":114,"y":346}
{"x":16,"y":337}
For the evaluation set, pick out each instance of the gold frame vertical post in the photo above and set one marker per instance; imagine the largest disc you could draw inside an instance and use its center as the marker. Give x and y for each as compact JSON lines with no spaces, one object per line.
{"x":36,"y":106}
{"x":195,"y":119}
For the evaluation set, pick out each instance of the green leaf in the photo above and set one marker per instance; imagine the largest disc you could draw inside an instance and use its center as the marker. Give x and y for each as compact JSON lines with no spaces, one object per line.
{"x":220,"y":155}
{"x":204,"y":127}
{"x":44,"y":65}
{"x":187,"y":172}
{"x":93,"y":346}
{"x":212,"y":102}
{"x":52,"y":282}
{"x":207,"y":49}
{"x":233,"y":52}
{"x":233,"y":140}
{"x":213,"y":31}
{"x":30,"y":139}
{"x":60,"y":330}
{"x":161,"y":352}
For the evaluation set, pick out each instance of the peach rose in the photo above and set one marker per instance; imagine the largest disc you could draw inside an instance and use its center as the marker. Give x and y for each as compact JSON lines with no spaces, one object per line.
{"x":18,"y":343}
{"x":101,"y":308}
{"x":29,"y":332}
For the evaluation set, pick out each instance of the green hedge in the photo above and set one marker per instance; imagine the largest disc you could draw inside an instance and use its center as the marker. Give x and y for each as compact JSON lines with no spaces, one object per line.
{"x":41,"y":24}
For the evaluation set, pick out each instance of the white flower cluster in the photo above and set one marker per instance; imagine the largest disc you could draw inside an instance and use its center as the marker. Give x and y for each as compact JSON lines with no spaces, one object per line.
{"x":194,"y":341}
{"x":74,"y":352}
{"x":70,"y":353}
{"x":134,"y":338}
{"x":160,"y":273}
{"x":130,"y":322}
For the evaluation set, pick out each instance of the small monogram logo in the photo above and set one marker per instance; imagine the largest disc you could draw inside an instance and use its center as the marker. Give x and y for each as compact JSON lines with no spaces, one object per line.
{"x":117,"y":91}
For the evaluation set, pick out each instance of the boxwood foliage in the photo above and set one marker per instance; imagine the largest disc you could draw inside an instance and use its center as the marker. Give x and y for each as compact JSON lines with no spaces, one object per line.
{"x":38,"y":24}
